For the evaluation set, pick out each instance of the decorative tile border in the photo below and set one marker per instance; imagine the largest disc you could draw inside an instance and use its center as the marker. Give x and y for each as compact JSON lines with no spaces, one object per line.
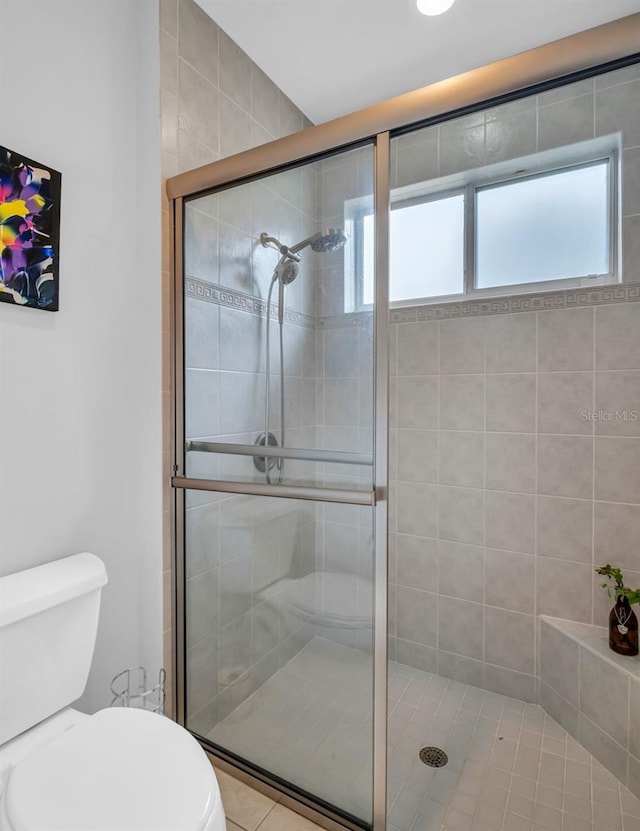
{"x":222,"y":296}
{"x":511,"y":304}
{"x":570,"y":299}
{"x":348,"y":320}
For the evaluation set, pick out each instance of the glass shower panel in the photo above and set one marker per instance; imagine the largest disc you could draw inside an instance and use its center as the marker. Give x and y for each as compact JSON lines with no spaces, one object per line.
{"x":279,"y":657}
{"x":275,"y":341}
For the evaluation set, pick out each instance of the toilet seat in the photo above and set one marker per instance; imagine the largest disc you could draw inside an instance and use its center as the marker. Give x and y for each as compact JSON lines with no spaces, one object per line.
{"x":332,"y":598}
{"x":119,"y":770}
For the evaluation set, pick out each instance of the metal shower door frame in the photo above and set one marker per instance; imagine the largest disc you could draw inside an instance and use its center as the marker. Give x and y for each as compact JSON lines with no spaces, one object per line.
{"x":376,"y":498}
{"x":554,"y":64}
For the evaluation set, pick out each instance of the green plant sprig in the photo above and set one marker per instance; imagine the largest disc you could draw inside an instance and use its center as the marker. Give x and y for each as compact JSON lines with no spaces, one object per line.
{"x":619,"y":590}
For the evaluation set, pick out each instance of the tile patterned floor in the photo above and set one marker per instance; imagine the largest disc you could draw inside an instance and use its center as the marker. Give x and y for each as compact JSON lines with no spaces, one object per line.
{"x":511,"y":767}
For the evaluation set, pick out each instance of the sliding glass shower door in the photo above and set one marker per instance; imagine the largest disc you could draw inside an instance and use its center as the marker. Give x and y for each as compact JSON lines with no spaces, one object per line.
{"x":275,"y":477}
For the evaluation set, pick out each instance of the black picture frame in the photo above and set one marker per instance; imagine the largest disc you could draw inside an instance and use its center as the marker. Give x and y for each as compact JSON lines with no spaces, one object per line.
{"x":29,"y":232}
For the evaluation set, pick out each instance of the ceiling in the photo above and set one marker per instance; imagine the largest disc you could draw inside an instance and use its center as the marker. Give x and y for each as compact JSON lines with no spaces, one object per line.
{"x":332,"y":57}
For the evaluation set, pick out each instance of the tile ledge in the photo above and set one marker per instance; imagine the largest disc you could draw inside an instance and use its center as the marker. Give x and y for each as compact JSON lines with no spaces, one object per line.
{"x":596,"y":640}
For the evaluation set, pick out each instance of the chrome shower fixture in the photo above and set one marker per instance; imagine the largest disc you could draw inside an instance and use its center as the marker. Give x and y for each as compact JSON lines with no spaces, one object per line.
{"x":284,"y":274}
{"x":322,"y":242}
{"x":273,"y":242}
{"x":286,"y":271}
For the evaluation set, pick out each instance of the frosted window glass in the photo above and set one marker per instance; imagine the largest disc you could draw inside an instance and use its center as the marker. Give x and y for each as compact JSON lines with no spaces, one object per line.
{"x":545,"y":228}
{"x":426,"y":250}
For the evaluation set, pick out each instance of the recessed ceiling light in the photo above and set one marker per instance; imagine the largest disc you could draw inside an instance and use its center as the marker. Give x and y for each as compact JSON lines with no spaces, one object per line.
{"x":433,"y":7}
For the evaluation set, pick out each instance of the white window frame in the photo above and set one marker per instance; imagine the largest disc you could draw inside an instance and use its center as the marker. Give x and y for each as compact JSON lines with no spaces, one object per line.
{"x":546,"y":163}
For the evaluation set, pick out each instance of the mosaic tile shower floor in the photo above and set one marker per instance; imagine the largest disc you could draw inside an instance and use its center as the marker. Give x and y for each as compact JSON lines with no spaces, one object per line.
{"x":511,"y":767}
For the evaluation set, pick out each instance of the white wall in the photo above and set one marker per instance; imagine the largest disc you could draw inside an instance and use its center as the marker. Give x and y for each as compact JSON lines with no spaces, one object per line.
{"x":80,"y":389}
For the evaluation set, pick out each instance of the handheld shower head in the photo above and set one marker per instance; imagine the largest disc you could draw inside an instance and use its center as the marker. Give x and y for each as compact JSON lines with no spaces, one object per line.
{"x":286,"y":271}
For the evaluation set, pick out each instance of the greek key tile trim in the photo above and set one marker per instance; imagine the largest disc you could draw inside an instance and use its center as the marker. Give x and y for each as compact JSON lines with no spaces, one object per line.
{"x":571,"y":299}
{"x":221,"y":296}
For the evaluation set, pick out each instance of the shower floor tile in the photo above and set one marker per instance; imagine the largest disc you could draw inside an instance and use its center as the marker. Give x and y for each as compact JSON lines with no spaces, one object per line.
{"x":511,"y":767}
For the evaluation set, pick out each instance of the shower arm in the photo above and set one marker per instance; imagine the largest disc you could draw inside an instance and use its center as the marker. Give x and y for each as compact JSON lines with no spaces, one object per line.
{"x":305,"y":242}
{"x":284,"y":250}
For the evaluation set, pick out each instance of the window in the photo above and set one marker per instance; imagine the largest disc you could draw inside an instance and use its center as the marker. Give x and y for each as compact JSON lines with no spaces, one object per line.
{"x":543,"y":226}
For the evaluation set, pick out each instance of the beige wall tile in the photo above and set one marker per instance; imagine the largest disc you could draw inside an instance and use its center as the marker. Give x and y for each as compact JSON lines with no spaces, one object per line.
{"x":617,"y":531}
{"x":198,"y":106}
{"x":509,"y":136}
{"x":617,"y":469}
{"x":510,"y":521}
{"x":198,"y":39}
{"x":563,"y":400}
{"x":462,"y":402}
{"x":417,"y":455}
{"x":617,"y":405}
{"x":168,"y":64}
{"x":618,"y":109}
{"x":415,"y":157}
{"x":565,"y":466}
{"x":605,"y":749}
{"x":509,"y":639}
{"x":417,"y":562}
{"x":509,"y":682}
{"x":509,"y":580}
{"x":461,"y":571}
{"x":618,"y":336}
{"x":565,"y":528}
{"x":417,"y":509}
{"x":418,"y":402}
{"x":460,"y":627}
{"x":417,"y":348}
{"x":566,"y":122}
{"x":169,"y":16}
{"x":565,"y":340}
{"x":511,"y":342}
{"x":235,"y":72}
{"x":465,"y":670}
{"x":461,"y":514}
{"x":511,"y":462}
{"x":604,"y":696}
{"x":461,"y":458}
{"x":510,"y":403}
{"x":559,"y":662}
{"x":462,"y":345}
{"x":564,"y":589}
{"x":416,"y":616}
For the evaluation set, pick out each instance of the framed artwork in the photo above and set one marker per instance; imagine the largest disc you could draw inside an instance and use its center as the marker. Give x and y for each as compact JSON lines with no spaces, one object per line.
{"x":29,"y":232}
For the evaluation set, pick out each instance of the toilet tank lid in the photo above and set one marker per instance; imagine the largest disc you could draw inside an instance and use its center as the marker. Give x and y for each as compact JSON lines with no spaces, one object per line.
{"x":26,"y":593}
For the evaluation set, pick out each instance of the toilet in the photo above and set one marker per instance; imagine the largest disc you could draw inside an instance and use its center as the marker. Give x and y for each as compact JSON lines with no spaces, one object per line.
{"x":121,"y":769}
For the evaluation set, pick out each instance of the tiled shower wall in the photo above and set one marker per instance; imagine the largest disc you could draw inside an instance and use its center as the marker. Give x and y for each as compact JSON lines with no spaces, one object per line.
{"x":513,"y":476}
{"x":214,"y":102}
{"x":507,"y":493}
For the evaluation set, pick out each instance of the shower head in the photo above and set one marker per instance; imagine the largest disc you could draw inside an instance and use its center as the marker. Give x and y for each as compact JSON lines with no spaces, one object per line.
{"x":329,"y":240}
{"x":322,"y":242}
{"x":286,"y":271}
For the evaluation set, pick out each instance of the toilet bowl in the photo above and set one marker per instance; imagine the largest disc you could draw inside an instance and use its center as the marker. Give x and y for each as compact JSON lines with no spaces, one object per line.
{"x":120,"y":769}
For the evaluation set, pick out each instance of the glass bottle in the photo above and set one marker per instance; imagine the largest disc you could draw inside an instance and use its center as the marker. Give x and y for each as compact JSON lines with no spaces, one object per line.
{"x":623,"y":628}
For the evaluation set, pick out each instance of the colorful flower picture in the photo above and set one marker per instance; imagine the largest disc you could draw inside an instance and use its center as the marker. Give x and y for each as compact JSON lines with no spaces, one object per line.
{"x":29,"y":232}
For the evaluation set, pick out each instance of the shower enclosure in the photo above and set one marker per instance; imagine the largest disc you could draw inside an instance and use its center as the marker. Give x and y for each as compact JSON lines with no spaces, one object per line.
{"x":291,"y":593}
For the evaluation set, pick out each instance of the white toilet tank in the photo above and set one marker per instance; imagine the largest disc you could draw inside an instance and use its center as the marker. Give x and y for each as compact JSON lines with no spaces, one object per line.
{"x":48,"y":624}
